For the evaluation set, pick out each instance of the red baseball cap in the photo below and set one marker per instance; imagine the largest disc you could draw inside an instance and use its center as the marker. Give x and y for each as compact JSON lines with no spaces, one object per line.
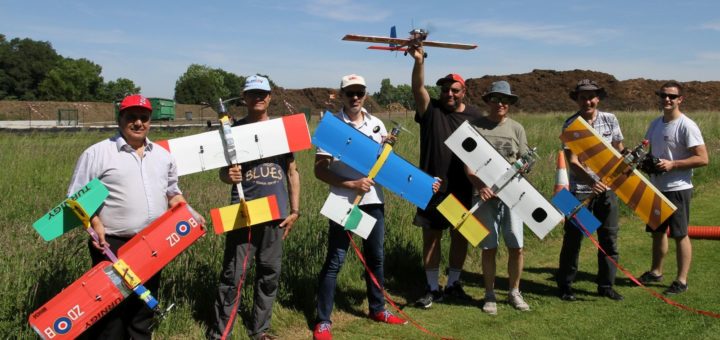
{"x":135,"y":100}
{"x":451,"y":78}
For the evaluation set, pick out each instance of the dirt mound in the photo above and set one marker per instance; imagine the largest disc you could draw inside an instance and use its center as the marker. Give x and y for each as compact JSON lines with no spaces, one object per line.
{"x":539,"y":91}
{"x":547,"y":91}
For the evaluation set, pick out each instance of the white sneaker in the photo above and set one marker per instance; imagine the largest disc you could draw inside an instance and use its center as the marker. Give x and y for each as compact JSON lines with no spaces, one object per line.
{"x":490,"y":305}
{"x":516,"y":300}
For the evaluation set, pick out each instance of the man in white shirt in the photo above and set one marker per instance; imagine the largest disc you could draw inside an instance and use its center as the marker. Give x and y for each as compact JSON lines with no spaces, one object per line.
{"x":677,"y":142}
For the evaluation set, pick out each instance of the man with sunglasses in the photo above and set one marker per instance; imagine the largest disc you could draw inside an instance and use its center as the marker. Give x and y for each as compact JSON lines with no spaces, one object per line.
{"x":677,"y":141}
{"x":143,"y":183}
{"x":347,"y":183}
{"x":438,"y":118}
{"x":508,"y":137}
{"x":260,"y":178}
{"x":584,"y":183}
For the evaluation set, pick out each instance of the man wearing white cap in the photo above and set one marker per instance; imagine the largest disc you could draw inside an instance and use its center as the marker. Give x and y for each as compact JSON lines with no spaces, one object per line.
{"x":348,"y":183}
{"x":438,"y":118}
{"x":143,"y":183}
{"x":258,"y":178}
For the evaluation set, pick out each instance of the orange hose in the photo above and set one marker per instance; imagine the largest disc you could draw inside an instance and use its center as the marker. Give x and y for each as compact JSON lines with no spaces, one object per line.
{"x":704,"y":232}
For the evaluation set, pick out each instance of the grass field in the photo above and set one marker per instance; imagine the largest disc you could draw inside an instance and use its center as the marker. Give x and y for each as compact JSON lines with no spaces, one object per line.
{"x":36,"y":168}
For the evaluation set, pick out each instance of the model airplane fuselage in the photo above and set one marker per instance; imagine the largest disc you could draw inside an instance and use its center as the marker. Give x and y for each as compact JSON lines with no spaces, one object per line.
{"x":416,"y":37}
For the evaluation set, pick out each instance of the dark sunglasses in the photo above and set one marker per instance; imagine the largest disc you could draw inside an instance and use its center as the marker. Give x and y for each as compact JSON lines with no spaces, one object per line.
{"x":257,"y":94}
{"x":452,"y":89}
{"x":351,"y":94}
{"x":500,"y":100}
{"x":662,"y":95}
{"x":131,"y":117}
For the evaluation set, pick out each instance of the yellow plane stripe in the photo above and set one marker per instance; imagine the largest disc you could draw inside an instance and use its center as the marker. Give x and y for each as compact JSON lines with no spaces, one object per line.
{"x":387,"y":148}
{"x":131,"y":280}
{"x":241,"y":215}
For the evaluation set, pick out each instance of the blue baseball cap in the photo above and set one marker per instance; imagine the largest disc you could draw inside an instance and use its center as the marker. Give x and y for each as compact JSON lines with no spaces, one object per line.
{"x":256,"y":83}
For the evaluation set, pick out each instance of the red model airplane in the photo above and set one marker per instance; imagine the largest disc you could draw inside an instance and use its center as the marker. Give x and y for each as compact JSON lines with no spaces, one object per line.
{"x":417,"y":37}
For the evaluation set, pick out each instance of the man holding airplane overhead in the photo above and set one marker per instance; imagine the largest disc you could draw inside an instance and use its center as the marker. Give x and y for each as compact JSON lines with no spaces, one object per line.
{"x":438,"y":118}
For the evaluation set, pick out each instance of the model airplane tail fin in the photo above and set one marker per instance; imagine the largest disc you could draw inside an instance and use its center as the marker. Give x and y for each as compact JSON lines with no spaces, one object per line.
{"x":348,"y":215}
{"x":245,"y":214}
{"x":62,"y":219}
{"x":463,"y":220}
{"x":575,"y":212}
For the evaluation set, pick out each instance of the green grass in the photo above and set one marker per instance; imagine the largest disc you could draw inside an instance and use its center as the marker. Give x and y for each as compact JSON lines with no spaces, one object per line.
{"x":36,"y":169}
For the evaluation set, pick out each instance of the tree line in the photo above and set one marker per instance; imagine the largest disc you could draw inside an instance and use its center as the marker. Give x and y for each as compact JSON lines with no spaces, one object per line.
{"x":33,"y":70}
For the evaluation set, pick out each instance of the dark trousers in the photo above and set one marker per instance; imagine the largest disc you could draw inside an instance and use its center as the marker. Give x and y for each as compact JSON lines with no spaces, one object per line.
{"x":374,"y":253}
{"x":132,"y":318}
{"x":605,"y":208}
{"x":266,"y":251}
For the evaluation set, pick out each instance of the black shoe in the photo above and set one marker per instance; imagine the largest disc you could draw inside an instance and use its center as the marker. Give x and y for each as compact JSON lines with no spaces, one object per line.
{"x":676,"y":288}
{"x":649,"y":277}
{"x":610,"y":293}
{"x":430,"y":296}
{"x":567,"y":294}
{"x":456,"y":291}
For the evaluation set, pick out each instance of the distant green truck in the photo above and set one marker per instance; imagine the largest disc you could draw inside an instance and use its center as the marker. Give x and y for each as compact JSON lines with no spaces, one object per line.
{"x":163,"y":109}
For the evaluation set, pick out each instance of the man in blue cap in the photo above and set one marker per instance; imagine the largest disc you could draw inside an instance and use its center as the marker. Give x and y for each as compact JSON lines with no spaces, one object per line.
{"x":260,"y":178}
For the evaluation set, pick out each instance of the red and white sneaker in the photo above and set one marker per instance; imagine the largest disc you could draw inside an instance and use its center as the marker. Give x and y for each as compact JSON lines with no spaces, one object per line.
{"x":322,"y":331}
{"x":387,"y":317}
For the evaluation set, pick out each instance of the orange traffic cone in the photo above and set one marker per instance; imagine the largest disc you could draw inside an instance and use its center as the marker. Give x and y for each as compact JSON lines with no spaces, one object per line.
{"x":561,"y":176}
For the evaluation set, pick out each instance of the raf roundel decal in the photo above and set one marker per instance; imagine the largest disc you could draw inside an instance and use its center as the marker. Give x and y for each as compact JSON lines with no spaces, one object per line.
{"x":182,"y":228}
{"x":469,"y":144}
{"x":62,"y":325}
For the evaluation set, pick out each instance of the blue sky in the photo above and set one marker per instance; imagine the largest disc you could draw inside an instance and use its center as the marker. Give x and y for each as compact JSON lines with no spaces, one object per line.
{"x":298,"y":42}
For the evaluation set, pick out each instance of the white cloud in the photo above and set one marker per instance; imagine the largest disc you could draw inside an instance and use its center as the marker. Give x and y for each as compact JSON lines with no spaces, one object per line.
{"x":714,"y":26}
{"x":546,"y":33}
{"x":346,"y":10}
{"x":709,"y":56}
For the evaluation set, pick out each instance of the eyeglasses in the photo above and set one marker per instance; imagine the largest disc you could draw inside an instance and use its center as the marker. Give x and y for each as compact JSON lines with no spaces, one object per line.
{"x":452,"y":89}
{"x":352,"y":94}
{"x":131,"y":117}
{"x":501,"y":100}
{"x":257,"y":94}
{"x":662,"y":95}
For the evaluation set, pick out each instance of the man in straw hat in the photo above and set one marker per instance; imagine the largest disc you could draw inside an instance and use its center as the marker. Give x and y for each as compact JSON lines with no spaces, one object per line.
{"x":584,"y":183}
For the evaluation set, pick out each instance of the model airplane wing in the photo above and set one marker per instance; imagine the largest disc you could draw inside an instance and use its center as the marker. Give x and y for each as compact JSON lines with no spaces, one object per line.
{"x":81,"y":304}
{"x":254,"y":141}
{"x":60,"y":219}
{"x":399,"y":42}
{"x":463,"y":220}
{"x":628,"y":183}
{"x":580,"y":216}
{"x":360,"y":152}
{"x":348,"y":215}
{"x":492,"y":168}
{"x":161,"y":241}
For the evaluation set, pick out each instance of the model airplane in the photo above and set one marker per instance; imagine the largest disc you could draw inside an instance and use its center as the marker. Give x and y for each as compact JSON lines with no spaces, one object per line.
{"x":506,"y":179}
{"x":417,"y":37}
{"x":576,"y":211}
{"x":234,"y":145}
{"x":103,"y":287}
{"x":371,"y":159}
{"x":617,"y":172}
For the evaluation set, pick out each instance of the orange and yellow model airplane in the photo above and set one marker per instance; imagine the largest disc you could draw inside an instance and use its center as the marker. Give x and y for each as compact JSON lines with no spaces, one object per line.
{"x":617,"y":172}
{"x":417,"y":37}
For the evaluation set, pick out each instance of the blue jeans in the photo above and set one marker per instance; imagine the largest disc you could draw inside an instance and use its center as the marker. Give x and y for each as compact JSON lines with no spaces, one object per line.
{"x":374,"y":253}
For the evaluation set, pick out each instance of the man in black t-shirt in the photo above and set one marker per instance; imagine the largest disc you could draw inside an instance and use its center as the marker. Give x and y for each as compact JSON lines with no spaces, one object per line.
{"x":438,"y":118}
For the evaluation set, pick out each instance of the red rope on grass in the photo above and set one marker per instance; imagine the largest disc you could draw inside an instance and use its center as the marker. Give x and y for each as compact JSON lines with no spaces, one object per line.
{"x":233,"y":314}
{"x":387,"y":296}
{"x":631,"y":277}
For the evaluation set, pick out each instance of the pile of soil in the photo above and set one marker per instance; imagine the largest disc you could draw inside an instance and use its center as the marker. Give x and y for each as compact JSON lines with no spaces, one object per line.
{"x":540,"y":91}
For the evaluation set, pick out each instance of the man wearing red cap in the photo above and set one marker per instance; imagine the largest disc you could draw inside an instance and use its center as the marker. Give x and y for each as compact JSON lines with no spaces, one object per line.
{"x":143,"y":183}
{"x":438,"y":118}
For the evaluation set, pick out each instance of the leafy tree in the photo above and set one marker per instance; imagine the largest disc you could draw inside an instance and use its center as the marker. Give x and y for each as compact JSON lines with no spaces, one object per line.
{"x":72,"y":80}
{"x":117,"y":89}
{"x":232,"y":82}
{"x":200,"y":84}
{"x":401,"y":94}
{"x":24,"y":64}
